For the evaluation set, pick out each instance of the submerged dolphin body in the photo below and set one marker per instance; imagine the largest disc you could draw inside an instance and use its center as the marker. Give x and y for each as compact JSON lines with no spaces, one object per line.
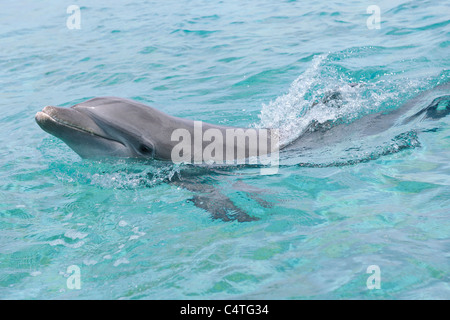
{"x":431,"y":104}
{"x":116,"y":127}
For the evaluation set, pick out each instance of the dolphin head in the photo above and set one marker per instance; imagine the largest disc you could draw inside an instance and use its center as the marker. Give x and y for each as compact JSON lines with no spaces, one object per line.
{"x":104,"y":127}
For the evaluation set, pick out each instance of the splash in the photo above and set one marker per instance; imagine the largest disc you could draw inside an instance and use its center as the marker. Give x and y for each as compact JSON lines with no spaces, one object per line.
{"x":117,"y":174}
{"x":287,"y":111}
{"x":323,"y":95}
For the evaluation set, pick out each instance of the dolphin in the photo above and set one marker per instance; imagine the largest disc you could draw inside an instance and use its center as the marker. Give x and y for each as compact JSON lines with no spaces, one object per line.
{"x":106,"y":127}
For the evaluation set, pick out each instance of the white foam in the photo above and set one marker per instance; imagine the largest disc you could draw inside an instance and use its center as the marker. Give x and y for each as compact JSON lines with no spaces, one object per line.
{"x":294,"y":112}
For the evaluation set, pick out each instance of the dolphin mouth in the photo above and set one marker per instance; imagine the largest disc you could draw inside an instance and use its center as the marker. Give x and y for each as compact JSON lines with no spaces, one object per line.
{"x":53,"y":119}
{"x":47,"y":115}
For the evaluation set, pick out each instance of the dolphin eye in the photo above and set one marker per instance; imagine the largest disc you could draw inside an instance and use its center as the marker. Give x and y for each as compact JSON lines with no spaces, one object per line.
{"x":144,"y":149}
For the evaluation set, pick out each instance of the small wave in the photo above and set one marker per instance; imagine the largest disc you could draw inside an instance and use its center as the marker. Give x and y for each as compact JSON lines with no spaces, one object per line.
{"x":351,"y":154}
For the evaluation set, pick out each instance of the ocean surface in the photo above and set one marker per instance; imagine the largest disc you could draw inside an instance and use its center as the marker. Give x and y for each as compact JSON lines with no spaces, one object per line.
{"x":325,"y":218}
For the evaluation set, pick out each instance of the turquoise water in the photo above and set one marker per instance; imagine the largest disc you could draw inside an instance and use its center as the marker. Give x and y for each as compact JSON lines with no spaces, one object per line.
{"x":382,"y":201}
